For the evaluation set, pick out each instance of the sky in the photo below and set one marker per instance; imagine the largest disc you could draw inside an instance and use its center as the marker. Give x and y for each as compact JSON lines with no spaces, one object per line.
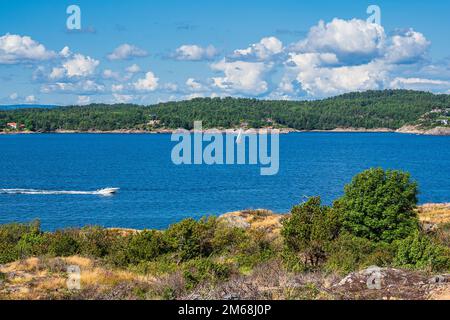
{"x":148,"y":52}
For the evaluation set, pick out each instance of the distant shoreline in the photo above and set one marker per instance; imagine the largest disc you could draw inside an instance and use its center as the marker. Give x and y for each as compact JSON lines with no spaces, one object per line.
{"x":438,"y":131}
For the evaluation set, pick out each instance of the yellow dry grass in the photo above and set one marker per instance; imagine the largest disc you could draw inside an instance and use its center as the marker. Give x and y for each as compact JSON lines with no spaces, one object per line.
{"x":79,"y":261}
{"x":103,"y":277}
{"x":33,"y":279}
{"x":261,"y":220}
{"x":21,"y":265}
{"x":435,"y":213}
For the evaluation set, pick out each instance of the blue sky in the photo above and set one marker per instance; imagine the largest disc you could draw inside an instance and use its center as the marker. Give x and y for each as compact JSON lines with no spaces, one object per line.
{"x":150,"y":51}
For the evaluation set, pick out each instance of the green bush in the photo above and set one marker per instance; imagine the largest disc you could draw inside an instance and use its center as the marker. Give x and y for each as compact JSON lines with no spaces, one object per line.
{"x":191,"y":239}
{"x":63,"y":243}
{"x":11,"y":235}
{"x":96,"y":241}
{"x":310,"y":230}
{"x":118,"y":254}
{"x":31,"y":244}
{"x":161,"y":266}
{"x":418,"y":251}
{"x":13,"y":232}
{"x":227,"y":239}
{"x":253,"y":250}
{"x":146,"y":246}
{"x":247,"y":261}
{"x":379,"y":205}
{"x":204,"y":270}
{"x":349,"y":253}
{"x":8,"y":253}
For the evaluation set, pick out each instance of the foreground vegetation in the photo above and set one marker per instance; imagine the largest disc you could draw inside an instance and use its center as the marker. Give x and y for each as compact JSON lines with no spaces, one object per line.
{"x":375,"y":222}
{"x":390,"y":109}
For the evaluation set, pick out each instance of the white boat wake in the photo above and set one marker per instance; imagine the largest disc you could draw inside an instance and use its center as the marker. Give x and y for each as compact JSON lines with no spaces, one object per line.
{"x":101,"y":192}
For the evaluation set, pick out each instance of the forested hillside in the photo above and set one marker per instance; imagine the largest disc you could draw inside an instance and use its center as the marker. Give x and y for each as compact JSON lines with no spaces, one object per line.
{"x":372,"y":109}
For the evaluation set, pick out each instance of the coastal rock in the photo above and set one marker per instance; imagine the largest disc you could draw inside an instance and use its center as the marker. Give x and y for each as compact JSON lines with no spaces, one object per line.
{"x":437,"y":131}
{"x":262,"y":220}
{"x":235,"y":221}
{"x":383,"y":284}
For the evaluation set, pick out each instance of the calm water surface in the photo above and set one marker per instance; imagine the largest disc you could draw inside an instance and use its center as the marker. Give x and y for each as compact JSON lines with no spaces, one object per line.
{"x":155,"y":193}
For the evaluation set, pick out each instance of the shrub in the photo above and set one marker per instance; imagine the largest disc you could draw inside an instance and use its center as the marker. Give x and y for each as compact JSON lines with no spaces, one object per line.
{"x":31,"y":244}
{"x":146,"y":246}
{"x":191,"y":239}
{"x":63,"y":243}
{"x":11,"y":234}
{"x":349,"y":253}
{"x":254,"y":249}
{"x":204,"y":270}
{"x":118,"y":254}
{"x":96,"y":241}
{"x":418,"y":251}
{"x":163,"y":265}
{"x":227,"y":239}
{"x":8,"y":253}
{"x":310,"y":230}
{"x":379,"y":205}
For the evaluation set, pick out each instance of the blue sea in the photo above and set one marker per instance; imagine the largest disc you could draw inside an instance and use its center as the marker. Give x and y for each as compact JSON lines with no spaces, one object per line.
{"x":155,"y":193}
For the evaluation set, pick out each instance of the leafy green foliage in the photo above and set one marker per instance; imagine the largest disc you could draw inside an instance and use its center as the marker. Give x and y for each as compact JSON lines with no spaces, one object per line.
{"x":310,"y":230}
{"x":349,"y":253}
{"x":63,"y":243}
{"x":10,"y":236}
{"x":379,"y":205}
{"x":197,"y":271}
{"x":418,"y":251}
{"x":190,"y":238}
{"x":146,"y":246}
{"x":95,"y":241}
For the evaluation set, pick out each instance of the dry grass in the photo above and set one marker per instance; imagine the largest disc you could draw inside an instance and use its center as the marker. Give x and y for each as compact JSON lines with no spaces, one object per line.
{"x":435,"y":213}
{"x":260,"y":220}
{"x":45,"y":278}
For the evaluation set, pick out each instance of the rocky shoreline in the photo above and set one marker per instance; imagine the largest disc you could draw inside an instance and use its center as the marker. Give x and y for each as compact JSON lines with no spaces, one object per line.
{"x":438,"y":131}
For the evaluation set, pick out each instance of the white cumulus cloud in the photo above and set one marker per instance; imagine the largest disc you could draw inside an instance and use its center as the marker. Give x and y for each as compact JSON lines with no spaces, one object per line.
{"x":80,"y":66}
{"x":241,"y":77}
{"x":195,"y":53}
{"x":134,"y":68}
{"x":345,"y":38}
{"x":127,"y":51}
{"x":407,"y":47}
{"x":194,"y":85}
{"x":15,"y":49}
{"x":262,"y":50}
{"x":149,"y":83}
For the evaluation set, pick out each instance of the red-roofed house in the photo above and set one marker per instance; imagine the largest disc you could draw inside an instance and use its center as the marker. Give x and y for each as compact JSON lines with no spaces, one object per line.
{"x":12,"y":125}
